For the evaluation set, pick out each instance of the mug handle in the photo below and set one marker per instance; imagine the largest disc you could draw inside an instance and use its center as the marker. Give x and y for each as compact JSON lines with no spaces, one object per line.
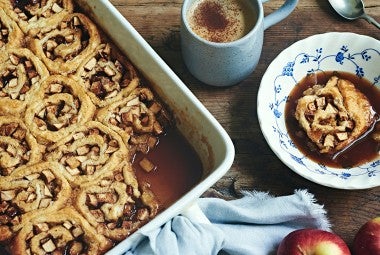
{"x":280,"y":13}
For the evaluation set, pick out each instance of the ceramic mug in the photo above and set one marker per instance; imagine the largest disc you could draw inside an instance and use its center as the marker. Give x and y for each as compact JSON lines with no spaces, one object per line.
{"x":228,"y":63}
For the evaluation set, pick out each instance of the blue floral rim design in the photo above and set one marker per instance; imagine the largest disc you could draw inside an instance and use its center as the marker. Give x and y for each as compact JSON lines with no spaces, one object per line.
{"x":323,"y":57}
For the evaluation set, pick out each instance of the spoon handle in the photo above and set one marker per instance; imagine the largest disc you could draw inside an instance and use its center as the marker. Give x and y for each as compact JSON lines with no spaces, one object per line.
{"x":371,"y":20}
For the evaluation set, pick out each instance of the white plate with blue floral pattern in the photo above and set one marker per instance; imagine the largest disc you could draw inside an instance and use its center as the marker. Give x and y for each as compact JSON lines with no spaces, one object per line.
{"x":333,"y":51}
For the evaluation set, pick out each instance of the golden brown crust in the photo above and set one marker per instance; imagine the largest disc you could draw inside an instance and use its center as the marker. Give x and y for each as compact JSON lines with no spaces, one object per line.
{"x":87,"y":153}
{"x":58,"y":231}
{"x":11,"y":35}
{"x":114,"y":205}
{"x":64,"y":48}
{"x":334,"y":115}
{"x":60,"y":81}
{"x":134,"y":116}
{"x":28,"y":192}
{"x":34,"y":17}
{"x":21,"y":73}
{"x":18,"y":147}
{"x":59,"y":107}
{"x":106,"y":77}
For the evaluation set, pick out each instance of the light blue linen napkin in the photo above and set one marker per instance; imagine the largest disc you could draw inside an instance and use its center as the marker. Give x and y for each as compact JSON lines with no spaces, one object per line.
{"x":252,"y":225}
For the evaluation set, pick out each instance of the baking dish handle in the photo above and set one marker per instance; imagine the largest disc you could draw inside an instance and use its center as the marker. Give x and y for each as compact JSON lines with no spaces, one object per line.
{"x":195,"y":214}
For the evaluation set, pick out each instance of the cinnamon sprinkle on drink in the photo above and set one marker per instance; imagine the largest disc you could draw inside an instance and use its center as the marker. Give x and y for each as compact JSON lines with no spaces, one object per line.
{"x":221,"y":20}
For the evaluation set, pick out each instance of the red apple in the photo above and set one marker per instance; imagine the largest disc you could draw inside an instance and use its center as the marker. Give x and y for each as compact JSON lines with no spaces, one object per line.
{"x":367,"y":239}
{"x":312,"y":242}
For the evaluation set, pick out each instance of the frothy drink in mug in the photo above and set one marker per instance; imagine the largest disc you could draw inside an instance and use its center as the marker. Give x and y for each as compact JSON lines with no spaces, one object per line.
{"x":222,"y":40}
{"x":221,"y":20}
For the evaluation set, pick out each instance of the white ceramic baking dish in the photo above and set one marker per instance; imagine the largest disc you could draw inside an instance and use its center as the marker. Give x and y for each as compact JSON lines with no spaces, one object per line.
{"x":194,"y":121}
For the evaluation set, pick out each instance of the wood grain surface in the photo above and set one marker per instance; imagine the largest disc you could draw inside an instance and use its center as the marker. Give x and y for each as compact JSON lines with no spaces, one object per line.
{"x":255,"y":165}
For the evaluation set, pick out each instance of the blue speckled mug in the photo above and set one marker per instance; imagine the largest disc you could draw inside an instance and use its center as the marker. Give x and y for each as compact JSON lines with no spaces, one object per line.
{"x":227,"y":63}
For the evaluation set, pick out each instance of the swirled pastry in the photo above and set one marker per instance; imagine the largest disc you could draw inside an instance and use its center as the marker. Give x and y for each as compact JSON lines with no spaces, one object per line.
{"x":17,"y":146}
{"x":60,"y":106}
{"x":28,"y":192}
{"x":135,"y":116}
{"x":21,"y":72}
{"x":34,"y":16}
{"x":334,"y":115}
{"x":64,"y":48}
{"x":106,"y":76}
{"x":11,"y":35}
{"x":89,"y":152}
{"x":74,"y":112}
{"x":61,"y":232}
{"x":115,"y":206}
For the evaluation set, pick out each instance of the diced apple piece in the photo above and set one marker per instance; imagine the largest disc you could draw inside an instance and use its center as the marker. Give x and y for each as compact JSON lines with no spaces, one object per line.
{"x":56,"y":8}
{"x":7,"y":195}
{"x":44,"y":203}
{"x":83,"y":150}
{"x":49,"y":246}
{"x":147,"y":165}
{"x":342,"y":136}
{"x":329,"y":141}
{"x":77,"y":231}
{"x":73,"y":162}
{"x":331,"y":109}
{"x":55,"y":88}
{"x":48,"y":175}
{"x":67,"y":224}
{"x":90,"y":64}
{"x":321,"y":102}
{"x":71,"y":171}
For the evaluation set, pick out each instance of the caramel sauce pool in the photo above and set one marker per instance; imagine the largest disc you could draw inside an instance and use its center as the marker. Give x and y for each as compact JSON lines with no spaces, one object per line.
{"x":178,"y":168}
{"x":363,"y":150}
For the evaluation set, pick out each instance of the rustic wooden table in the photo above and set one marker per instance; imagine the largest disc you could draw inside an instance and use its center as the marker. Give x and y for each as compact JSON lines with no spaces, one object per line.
{"x":256,"y":166}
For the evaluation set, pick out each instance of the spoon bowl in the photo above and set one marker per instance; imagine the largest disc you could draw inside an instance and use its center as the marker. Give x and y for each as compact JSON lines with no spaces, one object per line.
{"x":352,"y":9}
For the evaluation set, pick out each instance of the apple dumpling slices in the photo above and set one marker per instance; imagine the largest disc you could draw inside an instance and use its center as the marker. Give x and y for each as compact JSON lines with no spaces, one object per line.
{"x":21,"y":72}
{"x":107,"y":76}
{"x":17,"y":146}
{"x":37,"y":15}
{"x":61,"y":232}
{"x":138,"y":118}
{"x":58,"y":108}
{"x":115,"y":206}
{"x":11,"y":35}
{"x":65,"y":47}
{"x":87,"y":153}
{"x":334,"y":115}
{"x":28,"y":192}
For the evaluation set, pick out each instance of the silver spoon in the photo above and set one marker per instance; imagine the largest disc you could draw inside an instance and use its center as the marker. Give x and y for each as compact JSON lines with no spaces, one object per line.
{"x":352,"y":9}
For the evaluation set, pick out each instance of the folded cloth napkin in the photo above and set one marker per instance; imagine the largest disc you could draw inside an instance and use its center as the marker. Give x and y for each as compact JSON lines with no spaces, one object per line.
{"x":252,"y":225}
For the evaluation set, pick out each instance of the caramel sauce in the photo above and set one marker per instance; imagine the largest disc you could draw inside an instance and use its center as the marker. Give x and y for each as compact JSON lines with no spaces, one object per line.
{"x":178,"y":168}
{"x":363,"y":150}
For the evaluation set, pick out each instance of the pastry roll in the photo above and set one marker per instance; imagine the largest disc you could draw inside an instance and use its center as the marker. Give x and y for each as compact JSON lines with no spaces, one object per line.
{"x":64,"y":48}
{"x":17,"y":146}
{"x":61,"y":232}
{"x":37,"y":16}
{"x":21,"y":72}
{"x":136,"y":117}
{"x":28,"y":192}
{"x":334,"y":115}
{"x":115,"y":206}
{"x":11,"y":35}
{"x":58,"y":108}
{"x":87,"y":153}
{"x":106,"y":78}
